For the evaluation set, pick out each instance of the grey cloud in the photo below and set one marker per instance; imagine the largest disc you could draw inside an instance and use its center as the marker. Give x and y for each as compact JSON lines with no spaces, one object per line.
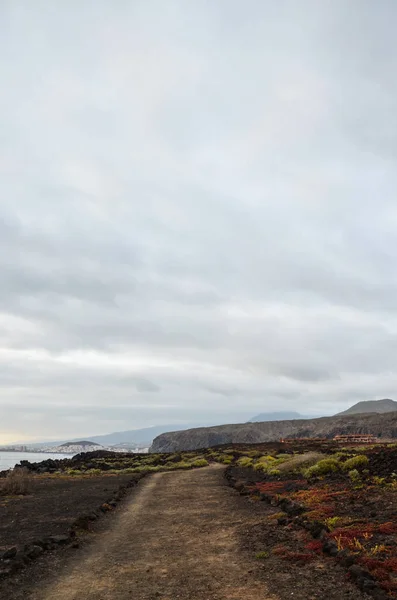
{"x":197,"y":208}
{"x":144,"y":385}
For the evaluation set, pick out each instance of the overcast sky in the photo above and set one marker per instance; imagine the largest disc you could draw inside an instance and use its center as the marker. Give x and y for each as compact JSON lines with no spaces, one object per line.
{"x":198,"y":211}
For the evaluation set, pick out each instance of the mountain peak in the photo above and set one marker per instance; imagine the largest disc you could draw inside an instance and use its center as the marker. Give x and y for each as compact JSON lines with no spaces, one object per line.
{"x":371,"y":406}
{"x":276,"y":416}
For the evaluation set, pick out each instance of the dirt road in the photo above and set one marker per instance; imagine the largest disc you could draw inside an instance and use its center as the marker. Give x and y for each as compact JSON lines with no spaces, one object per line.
{"x":174,"y":540}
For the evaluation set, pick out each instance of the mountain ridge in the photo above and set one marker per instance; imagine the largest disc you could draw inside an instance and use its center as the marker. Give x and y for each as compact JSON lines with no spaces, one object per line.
{"x":385,"y":405}
{"x":277,"y":416}
{"x":383,"y":426}
{"x":131,"y":436}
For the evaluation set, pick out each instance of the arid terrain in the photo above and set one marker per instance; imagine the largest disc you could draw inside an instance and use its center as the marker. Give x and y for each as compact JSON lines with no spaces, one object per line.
{"x":250,"y":521}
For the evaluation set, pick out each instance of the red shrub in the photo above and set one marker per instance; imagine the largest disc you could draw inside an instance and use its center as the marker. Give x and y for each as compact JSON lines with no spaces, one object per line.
{"x":391,"y":564}
{"x":313,"y":497}
{"x":280,"y":550}
{"x":351,"y":533}
{"x":271,"y":487}
{"x":322,"y":512}
{"x":315,"y":546}
{"x":390,"y":586}
{"x":387,"y":528}
{"x":380,"y":574}
{"x":372,"y":563}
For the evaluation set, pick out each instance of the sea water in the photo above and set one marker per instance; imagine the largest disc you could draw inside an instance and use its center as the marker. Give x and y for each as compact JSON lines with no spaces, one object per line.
{"x":8,"y":460}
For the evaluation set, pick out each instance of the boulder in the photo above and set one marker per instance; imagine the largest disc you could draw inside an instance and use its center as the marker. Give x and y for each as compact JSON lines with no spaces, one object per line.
{"x":10,"y":553}
{"x":5,"y":572}
{"x":330,"y":548}
{"x":60,"y":540}
{"x":357,"y":572}
{"x":33,"y":551}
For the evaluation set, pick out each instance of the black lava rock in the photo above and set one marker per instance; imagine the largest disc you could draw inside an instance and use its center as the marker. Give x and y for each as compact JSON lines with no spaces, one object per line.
{"x":10,"y":553}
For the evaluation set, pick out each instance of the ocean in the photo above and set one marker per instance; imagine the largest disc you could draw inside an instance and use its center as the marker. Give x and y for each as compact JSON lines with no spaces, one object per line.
{"x":8,"y":460}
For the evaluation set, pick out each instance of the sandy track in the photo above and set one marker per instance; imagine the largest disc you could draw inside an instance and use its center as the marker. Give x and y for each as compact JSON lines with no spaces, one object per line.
{"x":176,"y":539}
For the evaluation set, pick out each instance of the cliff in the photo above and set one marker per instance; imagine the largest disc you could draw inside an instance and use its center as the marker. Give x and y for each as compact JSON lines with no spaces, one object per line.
{"x":380,"y":425}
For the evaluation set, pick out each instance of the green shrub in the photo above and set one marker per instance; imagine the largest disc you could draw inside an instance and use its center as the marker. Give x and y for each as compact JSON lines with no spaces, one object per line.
{"x":244,"y":461}
{"x":195,"y":459}
{"x":363,"y":449}
{"x":262,"y":555}
{"x":295,"y":463}
{"x":73,"y":472}
{"x":332,"y":522}
{"x":225,"y":459}
{"x":355,"y":476}
{"x":259,"y":466}
{"x":323,"y":467}
{"x":274,"y":472}
{"x":214,"y":455}
{"x":177,"y":466}
{"x":200,"y":462}
{"x":151,"y":461}
{"x":254,"y":454}
{"x":264,"y":463}
{"x":379,"y":480}
{"x":143,"y":469}
{"x":342,"y":454}
{"x":267,"y":458}
{"x":356,"y":462}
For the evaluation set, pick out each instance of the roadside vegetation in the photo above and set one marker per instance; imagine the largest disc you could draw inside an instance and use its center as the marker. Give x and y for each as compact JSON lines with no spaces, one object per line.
{"x":17,"y":482}
{"x":341,"y":499}
{"x":93,"y":464}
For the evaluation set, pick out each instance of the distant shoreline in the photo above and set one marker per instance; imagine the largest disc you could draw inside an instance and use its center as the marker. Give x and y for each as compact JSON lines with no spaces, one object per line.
{"x":35,"y":451}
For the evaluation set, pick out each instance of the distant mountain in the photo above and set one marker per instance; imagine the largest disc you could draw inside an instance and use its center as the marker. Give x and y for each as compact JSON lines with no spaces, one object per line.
{"x":277,"y":416}
{"x":83,"y":444}
{"x":138,"y":436}
{"x":130,"y":438}
{"x":371,"y":406}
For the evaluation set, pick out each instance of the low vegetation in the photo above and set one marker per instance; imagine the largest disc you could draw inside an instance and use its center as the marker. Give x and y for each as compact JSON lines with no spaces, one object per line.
{"x":93,"y":464}
{"x":16,"y":483}
{"x":297,"y":462}
{"x":346,"y":498}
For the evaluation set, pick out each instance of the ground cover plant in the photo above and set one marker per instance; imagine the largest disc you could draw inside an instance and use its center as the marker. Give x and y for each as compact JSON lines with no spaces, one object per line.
{"x":101,"y":462}
{"x":345,"y":498}
{"x":342,"y":500}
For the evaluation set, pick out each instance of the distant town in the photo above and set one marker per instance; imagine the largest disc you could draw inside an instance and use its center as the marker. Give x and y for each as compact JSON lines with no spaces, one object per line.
{"x":75,"y":448}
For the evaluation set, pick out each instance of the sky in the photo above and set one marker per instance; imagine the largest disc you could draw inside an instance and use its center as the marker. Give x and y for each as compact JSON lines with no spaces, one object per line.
{"x":198,"y":211}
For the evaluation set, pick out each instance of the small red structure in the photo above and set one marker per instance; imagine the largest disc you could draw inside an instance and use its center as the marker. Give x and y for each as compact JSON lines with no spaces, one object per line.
{"x":356,"y":438}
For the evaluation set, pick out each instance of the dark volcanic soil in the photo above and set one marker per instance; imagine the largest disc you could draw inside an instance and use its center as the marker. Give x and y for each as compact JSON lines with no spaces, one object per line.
{"x":52,"y":506}
{"x":302,"y":579}
{"x":186,"y":535}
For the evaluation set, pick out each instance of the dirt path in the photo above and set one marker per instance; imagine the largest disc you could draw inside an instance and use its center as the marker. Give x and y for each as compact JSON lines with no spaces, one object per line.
{"x":176,"y":539}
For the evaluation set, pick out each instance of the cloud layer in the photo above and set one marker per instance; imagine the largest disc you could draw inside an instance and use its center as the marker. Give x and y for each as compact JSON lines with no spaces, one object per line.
{"x":197,"y":211}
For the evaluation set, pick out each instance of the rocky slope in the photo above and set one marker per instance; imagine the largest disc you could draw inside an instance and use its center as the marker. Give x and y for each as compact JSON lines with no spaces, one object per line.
{"x":371,"y":406}
{"x":381,"y":425}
